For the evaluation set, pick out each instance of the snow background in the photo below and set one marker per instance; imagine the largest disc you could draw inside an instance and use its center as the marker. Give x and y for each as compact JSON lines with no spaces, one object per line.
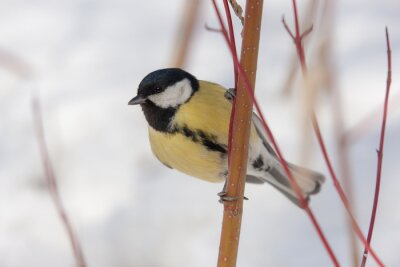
{"x":87,"y":59}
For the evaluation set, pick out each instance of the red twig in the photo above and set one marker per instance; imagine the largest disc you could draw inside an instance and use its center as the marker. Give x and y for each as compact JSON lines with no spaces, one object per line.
{"x":298,"y":38}
{"x":232,"y":44}
{"x":231,"y":38}
{"x":380,"y":151}
{"x":293,"y":183}
{"x":341,"y":192}
{"x":52,"y":183}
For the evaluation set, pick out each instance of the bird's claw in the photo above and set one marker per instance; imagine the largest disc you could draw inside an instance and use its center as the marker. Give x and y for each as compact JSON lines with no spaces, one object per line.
{"x":224,"y":198}
{"x":230,"y":94}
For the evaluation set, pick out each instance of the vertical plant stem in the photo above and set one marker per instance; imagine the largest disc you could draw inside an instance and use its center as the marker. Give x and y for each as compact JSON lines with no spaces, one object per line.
{"x":345,"y":170}
{"x":52,"y":184}
{"x":232,"y":217}
{"x":380,"y":150}
{"x":190,"y":16}
{"x":329,"y":8}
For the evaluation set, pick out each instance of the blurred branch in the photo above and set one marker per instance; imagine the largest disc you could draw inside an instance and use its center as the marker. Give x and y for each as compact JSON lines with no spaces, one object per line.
{"x":338,"y":116}
{"x":380,"y":150}
{"x":365,"y":124}
{"x":297,"y":39}
{"x":190,"y":16}
{"x":15,"y":65}
{"x":23,"y":71}
{"x":343,"y":157}
{"x":52,"y":183}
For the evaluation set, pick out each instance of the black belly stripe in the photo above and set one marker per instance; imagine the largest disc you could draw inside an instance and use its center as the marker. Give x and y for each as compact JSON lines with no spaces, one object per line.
{"x":199,"y":136}
{"x":188,"y":133}
{"x":214,"y":146}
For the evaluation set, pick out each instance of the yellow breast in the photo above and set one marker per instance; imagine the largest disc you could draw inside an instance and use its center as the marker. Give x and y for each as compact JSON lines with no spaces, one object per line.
{"x":182,"y":154}
{"x":207,"y":111}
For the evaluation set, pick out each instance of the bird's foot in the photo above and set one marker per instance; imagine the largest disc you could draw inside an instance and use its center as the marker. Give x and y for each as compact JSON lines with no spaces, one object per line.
{"x":224,"y":198}
{"x":230,"y":94}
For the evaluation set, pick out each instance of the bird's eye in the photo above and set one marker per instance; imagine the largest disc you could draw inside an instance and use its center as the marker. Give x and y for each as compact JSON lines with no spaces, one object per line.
{"x":158,"y":89}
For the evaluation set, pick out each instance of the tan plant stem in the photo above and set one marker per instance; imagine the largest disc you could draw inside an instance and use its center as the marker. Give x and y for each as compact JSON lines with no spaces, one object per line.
{"x":190,"y":16}
{"x":240,"y":140}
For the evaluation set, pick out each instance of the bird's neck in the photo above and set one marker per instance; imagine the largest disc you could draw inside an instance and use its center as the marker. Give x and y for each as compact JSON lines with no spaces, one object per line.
{"x":159,"y":118}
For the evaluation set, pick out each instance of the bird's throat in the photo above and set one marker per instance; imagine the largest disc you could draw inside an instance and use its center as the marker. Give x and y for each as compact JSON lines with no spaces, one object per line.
{"x":157,"y":117}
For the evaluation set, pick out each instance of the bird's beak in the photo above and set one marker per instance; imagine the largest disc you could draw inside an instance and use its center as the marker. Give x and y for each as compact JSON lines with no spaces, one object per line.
{"x":137,"y":100}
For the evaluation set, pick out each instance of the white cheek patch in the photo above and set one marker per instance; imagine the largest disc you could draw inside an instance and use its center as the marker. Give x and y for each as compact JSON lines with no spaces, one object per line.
{"x":173,"y":95}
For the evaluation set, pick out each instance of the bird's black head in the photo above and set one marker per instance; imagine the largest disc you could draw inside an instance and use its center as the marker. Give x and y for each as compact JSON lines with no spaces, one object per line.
{"x":166,"y":88}
{"x":161,"y":93}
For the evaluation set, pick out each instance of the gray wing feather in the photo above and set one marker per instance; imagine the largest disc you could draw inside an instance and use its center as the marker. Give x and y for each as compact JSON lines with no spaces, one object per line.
{"x":291,"y":197}
{"x":254,"y":179}
{"x":263,"y":135}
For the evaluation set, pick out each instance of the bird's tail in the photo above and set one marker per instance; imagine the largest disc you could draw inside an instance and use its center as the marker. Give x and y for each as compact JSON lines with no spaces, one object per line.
{"x":308,"y":181}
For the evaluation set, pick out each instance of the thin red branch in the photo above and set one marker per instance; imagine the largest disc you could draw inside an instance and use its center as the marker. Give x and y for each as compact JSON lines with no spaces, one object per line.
{"x":380,"y":151}
{"x":52,"y":183}
{"x":340,"y":191}
{"x":296,"y":18}
{"x":232,"y":44}
{"x":298,"y":38}
{"x":293,"y":182}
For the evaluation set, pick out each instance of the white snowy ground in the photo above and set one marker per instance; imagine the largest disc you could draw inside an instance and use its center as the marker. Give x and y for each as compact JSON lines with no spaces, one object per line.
{"x":88,"y":57}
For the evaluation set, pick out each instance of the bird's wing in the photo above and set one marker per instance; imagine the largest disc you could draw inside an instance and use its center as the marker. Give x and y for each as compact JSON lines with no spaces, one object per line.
{"x":254,"y":179}
{"x":263,"y":135}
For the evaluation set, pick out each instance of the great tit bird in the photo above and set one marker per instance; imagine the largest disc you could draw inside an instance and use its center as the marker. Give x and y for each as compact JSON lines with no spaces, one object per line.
{"x":188,"y":130}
